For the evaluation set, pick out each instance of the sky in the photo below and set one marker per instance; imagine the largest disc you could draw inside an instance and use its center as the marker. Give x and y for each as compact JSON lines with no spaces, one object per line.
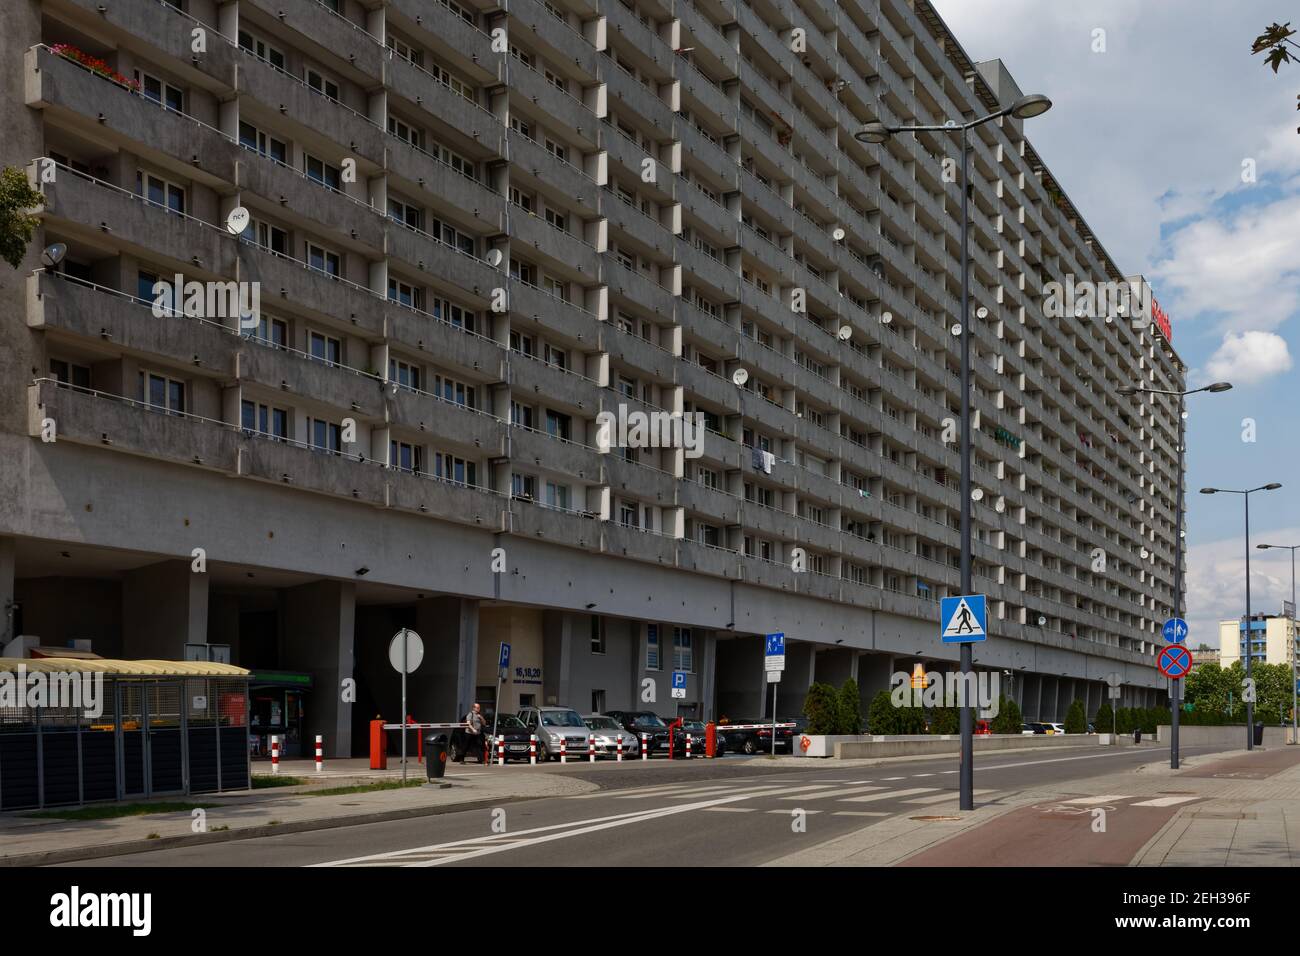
{"x":1180,"y":149}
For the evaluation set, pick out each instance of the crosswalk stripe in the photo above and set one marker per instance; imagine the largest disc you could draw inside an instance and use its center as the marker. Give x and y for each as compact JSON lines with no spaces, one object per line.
{"x":731,"y":809}
{"x":948,"y":795}
{"x":648,"y":791}
{"x":795,"y":810}
{"x":702,"y":792}
{"x":1093,"y":801}
{"x":835,"y":793}
{"x":1164,"y":801}
{"x":888,"y":795}
{"x":893,"y":778}
{"x":859,"y":813}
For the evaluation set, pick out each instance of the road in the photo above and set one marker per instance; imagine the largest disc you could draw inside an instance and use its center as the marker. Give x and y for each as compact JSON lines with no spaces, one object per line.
{"x":735,"y":812}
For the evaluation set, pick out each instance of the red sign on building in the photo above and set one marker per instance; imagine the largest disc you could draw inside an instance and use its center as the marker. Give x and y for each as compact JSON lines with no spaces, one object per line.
{"x":1161,"y":319}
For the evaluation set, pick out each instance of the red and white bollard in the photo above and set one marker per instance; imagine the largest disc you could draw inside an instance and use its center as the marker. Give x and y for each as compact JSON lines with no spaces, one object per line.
{"x":688,"y":746}
{"x":501,"y":751}
{"x":564,"y":751}
{"x":532,"y":750}
{"x":487,"y":751}
{"x":320,"y":753}
{"x":645,"y":748}
{"x":591,"y":748}
{"x":620,"y":748}
{"x":275,"y":754}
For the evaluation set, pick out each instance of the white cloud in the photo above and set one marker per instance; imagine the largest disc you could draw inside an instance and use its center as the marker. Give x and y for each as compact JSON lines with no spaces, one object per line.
{"x":1216,"y":581}
{"x":1248,"y":358}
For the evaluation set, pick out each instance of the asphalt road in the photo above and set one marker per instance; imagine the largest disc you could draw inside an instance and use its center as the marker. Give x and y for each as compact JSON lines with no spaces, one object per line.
{"x":736,"y":812}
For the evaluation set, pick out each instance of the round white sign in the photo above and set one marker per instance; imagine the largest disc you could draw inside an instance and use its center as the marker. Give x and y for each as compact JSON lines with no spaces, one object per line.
{"x":414,"y":650}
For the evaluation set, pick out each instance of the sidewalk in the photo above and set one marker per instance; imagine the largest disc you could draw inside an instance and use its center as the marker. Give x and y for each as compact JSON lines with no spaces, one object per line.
{"x":35,"y":841}
{"x":1236,"y":809}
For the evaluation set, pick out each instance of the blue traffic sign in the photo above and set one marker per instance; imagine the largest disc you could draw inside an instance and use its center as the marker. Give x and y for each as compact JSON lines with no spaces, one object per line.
{"x":775,"y":645}
{"x":1175,"y":630}
{"x":679,"y":680}
{"x":1174,"y":661}
{"x":504,"y":661}
{"x":963,"y":619}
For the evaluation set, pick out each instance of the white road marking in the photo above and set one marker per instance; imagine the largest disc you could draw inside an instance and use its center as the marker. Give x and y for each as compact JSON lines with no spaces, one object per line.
{"x":834,"y":794}
{"x":888,"y":795}
{"x":859,"y":813}
{"x":731,"y":809}
{"x":893,"y":778}
{"x":1104,"y":798}
{"x":1164,"y":802}
{"x":793,"y":811}
{"x":630,"y":792}
{"x":949,"y":795}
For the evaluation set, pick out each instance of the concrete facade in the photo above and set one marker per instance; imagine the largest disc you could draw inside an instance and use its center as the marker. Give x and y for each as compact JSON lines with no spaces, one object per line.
{"x":464,"y":255}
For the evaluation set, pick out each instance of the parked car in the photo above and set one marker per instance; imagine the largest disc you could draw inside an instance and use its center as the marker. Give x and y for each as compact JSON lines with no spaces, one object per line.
{"x":699,"y":738}
{"x":638,"y":722}
{"x":553,"y":724}
{"x":607,"y":730}
{"x":1037,"y":727}
{"x":759,"y":739}
{"x":1057,"y":728}
{"x":508,"y":726}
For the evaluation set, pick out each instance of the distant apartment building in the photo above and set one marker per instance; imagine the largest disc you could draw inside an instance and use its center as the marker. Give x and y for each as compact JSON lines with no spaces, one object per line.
{"x":433,"y":242}
{"x":1273,"y":640}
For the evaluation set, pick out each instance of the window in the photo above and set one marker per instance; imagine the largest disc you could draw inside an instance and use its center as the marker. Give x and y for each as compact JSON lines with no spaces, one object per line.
{"x":553,"y":356}
{"x":523,"y":271}
{"x":66,"y":373}
{"x":404,"y":374}
{"x":405,"y":457}
{"x":451,"y":390}
{"x":325,"y":435}
{"x":521,"y":414}
{"x":456,"y":315}
{"x":521,"y":343}
{"x":652,"y":647}
{"x":456,"y":161}
{"x":269,"y":237}
{"x":406,"y":132}
{"x":522,"y":55}
{"x":403,"y":293}
{"x":144,"y":286}
{"x":263,"y":143}
{"x":597,"y":701}
{"x":556,"y":287}
{"x":555,"y":149}
{"x":405,"y":213}
{"x":322,"y":260}
{"x":162,"y":393}
{"x":597,"y":634}
{"x":271,"y":331}
{"x":159,"y":191}
{"x":521,"y":198}
{"x":683,"y":654}
{"x":557,"y":219}
{"x":261,"y":49}
{"x":448,"y":79}
{"x":322,"y":85}
{"x":452,"y":236}
{"x":322,"y":172}
{"x":523,"y":128}
{"x":265,"y":420}
{"x":405,"y":50}
{"x":455,"y":469}
{"x":557,"y":496}
{"x":629,"y":515}
{"x":523,"y":486}
{"x":161,"y":92}
{"x":558,"y":425}
{"x":324,"y":348}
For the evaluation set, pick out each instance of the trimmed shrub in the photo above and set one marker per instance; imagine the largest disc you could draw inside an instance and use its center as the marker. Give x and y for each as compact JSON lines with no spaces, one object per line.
{"x":1075,"y":720}
{"x":1009,"y":719}
{"x":944,"y":720}
{"x":1103,"y":723}
{"x":821,"y":707}
{"x":849,"y":710}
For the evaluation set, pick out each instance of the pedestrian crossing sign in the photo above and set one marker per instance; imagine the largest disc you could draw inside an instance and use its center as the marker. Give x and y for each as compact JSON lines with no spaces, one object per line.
{"x":963,"y":619}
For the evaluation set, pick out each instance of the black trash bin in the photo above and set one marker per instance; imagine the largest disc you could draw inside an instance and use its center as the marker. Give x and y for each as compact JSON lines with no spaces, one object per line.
{"x":1259,"y":733}
{"x":1137,"y":736}
{"x":435,"y":756}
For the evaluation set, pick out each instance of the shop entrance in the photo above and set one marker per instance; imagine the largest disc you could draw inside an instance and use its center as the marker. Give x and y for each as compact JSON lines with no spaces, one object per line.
{"x":278,"y":702}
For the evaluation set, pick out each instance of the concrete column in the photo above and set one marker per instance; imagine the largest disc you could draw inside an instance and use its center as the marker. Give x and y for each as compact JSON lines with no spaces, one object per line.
{"x":318,"y":638}
{"x":1033,"y":707}
{"x":557,"y":637}
{"x":708,"y":677}
{"x":741,"y":684}
{"x":7,"y":567}
{"x":443,"y":687}
{"x":164,"y":607}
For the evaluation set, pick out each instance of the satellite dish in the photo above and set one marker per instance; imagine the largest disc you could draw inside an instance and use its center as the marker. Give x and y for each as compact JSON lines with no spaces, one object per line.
{"x":981,"y":313}
{"x":494,"y":257}
{"x":950,"y":123}
{"x":1000,"y":505}
{"x":837,"y":234}
{"x":977,"y":494}
{"x":53,"y":254}
{"x":956,"y":329}
{"x":845,"y":333}
{"x":1145,"y":553}
{"x":1109,"y":320}
{"x":740,"y":377}
{"x":1041,"y":620}
{"x":886,"y":318}
{"x":237,"y":221}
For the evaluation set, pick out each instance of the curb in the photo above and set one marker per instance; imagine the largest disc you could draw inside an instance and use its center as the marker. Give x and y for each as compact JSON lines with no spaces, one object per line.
{"x":129,"y":847}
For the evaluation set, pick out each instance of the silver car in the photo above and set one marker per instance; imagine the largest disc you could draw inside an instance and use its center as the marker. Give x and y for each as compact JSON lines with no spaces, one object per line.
{"x":553,"y":725}
{"x":607,"y":731}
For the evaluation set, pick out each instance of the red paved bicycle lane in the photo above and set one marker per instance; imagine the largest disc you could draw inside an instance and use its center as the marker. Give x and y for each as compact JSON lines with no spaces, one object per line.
{"x":1054,"y":834}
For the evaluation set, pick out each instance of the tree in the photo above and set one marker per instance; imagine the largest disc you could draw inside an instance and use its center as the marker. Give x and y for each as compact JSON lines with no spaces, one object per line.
{"x":1276,"y":42}
{"x":822,"y":709}
{"x":881,"y":714}
{"x":1076,"y":721}
{"x":850,"y":708}
{"x":944,"y":720}
{"x":17,"y":224}
{"x":1008,"y":720}
{"x":1104,"y":722}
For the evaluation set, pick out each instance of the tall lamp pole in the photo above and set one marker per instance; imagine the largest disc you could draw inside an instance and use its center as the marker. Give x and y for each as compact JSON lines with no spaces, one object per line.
{"x":1176,"y":696}
{"x":1246,"y":493}
{"x":1035,"y":104}
{"x":1295,"y":682}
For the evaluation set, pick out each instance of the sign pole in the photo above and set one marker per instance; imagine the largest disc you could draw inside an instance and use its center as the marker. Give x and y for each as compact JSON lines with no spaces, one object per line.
{"x":775,"y":687}
{"x":405,"y":668}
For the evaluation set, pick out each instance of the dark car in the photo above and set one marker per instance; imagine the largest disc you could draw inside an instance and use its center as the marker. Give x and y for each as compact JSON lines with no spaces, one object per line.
{"x":509,"y":727}
{"x":756,"y":738}
{"x":699,"y":738}
{"x":638,"y":722}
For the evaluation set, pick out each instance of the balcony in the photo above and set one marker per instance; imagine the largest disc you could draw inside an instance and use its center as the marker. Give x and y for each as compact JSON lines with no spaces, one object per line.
{"x":563,"y":41}
{"x":572,"y":392}
{"x":551,"y":312}
{"x":533,"y":448}
{"x":444,"y":104}
{"x":557,"y":174}
{"x":327,"y":37}
{"x":565,"y":249}
{"x":448,"y":422}
{"x":642,"y":481}
{"x":324,"y":209}
{"x":447,"y":184}
{"x":639,"y":545}
{"x":464,"y":504}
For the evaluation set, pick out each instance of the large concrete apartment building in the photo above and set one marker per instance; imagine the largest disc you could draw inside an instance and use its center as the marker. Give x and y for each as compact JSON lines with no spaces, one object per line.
{"x":475,"y":226}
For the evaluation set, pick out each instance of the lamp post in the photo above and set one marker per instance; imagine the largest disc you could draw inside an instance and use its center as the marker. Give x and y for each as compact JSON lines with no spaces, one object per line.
{"x":1035,"y":104}
{"x":1295,"y":686}
{"x":1177,"y":695}
{"x":1246,"y":493}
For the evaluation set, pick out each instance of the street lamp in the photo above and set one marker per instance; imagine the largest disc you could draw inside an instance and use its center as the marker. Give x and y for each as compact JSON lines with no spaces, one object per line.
{"x":1295,"y":681}
{"x":1246,"y":493}
{"x":874,"y":133}
{"x":1175,"y":715}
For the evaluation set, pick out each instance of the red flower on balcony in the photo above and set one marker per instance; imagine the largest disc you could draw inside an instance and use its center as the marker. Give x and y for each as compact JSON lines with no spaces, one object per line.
{"x":94,"y":64}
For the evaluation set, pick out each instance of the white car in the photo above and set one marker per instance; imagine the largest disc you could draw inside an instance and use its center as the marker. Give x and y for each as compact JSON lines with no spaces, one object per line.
{"x":1059,"y":728}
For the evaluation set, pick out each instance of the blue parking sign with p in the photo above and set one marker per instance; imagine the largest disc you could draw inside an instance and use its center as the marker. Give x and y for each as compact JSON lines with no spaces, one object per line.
{"x":679,"y":680}
{"x":504,"y":661}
